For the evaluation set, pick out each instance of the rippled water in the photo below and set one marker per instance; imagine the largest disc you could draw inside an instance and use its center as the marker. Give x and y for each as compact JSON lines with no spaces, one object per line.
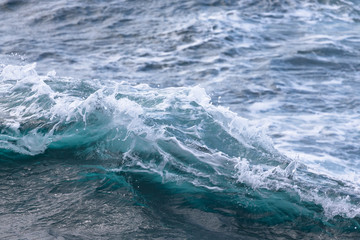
{"x":180,"y":119}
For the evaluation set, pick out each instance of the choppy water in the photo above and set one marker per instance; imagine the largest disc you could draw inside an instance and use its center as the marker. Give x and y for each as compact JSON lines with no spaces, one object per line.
{"x":180,"y":119}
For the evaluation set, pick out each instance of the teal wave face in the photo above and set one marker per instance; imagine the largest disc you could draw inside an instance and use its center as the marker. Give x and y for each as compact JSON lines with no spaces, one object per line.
{"x":170,"y":147}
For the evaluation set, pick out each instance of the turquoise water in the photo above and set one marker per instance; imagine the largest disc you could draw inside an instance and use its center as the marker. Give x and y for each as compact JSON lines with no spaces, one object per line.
{"x":179,"y":120}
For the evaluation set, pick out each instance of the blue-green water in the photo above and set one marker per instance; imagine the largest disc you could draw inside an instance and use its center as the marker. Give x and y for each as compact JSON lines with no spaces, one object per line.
{"x":179,"y":120}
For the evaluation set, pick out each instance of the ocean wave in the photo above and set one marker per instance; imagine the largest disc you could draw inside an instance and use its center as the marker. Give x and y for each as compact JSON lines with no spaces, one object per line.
{"x":175,"y":135}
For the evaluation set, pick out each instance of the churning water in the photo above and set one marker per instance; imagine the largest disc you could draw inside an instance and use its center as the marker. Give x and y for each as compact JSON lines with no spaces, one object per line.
{"x":180,"y":119}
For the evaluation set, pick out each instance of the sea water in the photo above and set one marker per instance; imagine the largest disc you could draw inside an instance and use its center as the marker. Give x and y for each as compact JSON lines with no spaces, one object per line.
{"x":180,"y":119}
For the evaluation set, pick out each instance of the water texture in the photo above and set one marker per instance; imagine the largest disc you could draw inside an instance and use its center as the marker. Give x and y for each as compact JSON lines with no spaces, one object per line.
{"x":180,"y":119}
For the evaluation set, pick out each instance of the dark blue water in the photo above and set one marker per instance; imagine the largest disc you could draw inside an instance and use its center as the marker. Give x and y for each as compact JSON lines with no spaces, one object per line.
{"x":180,"y":119}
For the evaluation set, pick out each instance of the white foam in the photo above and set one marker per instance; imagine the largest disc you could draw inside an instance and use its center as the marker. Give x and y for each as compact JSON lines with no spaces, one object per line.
{"x":12,"y":72}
